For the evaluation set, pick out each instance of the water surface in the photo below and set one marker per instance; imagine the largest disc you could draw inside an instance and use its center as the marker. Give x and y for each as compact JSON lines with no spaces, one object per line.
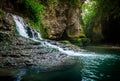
{"x":98,"y":64}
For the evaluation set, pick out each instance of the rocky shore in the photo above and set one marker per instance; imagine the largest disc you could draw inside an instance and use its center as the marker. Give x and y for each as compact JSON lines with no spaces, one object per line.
{"x":17,"y":51}
{"x":24,"y":52}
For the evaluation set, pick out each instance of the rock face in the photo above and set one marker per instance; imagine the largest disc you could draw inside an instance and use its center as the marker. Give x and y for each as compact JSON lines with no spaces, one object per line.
{"x":61,"y":21}
{"x":6,"y":28}
{"x":74,"y":28}
{"x":56,"y":22}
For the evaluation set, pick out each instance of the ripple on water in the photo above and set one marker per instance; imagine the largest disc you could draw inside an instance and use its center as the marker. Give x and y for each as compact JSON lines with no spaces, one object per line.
{"x":99,"y":67}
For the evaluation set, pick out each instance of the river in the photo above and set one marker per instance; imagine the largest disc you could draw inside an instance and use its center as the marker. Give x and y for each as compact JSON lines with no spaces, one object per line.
{"x":95,"y":64}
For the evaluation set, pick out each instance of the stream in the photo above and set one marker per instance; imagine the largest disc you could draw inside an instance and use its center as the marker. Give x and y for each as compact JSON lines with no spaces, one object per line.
{"x":96,"y":64}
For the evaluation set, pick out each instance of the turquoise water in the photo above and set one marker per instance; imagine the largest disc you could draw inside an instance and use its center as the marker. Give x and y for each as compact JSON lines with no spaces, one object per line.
{"x":100,"y":65}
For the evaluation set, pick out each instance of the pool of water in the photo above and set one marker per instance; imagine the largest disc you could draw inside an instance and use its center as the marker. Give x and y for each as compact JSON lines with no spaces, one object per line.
{"x":98,"y":64}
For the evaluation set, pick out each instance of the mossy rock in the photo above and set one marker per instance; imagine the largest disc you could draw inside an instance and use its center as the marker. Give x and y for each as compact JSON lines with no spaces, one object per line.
{"x":82,"y":42}
{"x":66,"y":42}
{"x":82,"y":35}
{"x":85,"y":41}
{"x":77,"y":42}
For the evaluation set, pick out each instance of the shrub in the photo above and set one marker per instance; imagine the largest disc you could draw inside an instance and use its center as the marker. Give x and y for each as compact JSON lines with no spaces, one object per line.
{"x":34,"y":10}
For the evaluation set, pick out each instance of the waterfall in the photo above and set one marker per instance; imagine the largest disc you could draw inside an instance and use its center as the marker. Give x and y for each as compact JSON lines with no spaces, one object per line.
{"x":27,"y":32}
{"x":91,"y":62}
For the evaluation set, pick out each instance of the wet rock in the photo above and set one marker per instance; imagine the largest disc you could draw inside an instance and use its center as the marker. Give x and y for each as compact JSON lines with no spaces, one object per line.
{"x":21,"y":53}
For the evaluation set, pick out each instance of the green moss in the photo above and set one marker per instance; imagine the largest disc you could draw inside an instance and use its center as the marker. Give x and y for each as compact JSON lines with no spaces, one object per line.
{"x":35,"y":10}
{"x":82,"y":42}
{"x":40,"y":28}
{"x":65,"y":41}
{"x":82,"y":35}
{"x":77,"y":42}
{"x":44,"y":30}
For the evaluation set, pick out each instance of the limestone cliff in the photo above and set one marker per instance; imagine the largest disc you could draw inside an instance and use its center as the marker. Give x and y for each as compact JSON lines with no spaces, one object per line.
{"x":62,"y":20}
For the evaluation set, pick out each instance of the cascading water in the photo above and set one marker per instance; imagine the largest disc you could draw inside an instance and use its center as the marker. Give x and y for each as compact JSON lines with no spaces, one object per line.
{"x":20,"y":25}
{"x":96,"y":67}
{"x":24,"y":30}
{"x":27,"y":32}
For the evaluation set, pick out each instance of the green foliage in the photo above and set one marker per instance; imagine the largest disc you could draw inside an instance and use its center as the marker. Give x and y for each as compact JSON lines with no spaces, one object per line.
{"x":88,"y":15}
{"x":82,"y":42}
{"x":40,"y":28}
{"x":78,"y":42}
{"x":35,"y":10}
{"x":97,"y":12}
{"x":82,"y":35}
{"x":88,"y":11}
{"x":65,"y":42}
{"x":105,"y":8}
